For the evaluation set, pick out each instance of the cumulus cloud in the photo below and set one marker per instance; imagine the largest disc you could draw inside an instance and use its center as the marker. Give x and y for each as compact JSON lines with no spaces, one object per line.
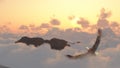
{"x":45,"y":25}
{"x":104,"y":14}
{"x":103,"y":23}
{"x":23,"y":27}
{"x":56,"y":59}
{"x":17,"y":55}
{"x":22,"y":56}
{"x":55,"y":22}
{"x":115,"y":27}
{"x":112,"y":50}
{"x":83,"y":22}
{"x":115,"y":24}
{"x":32,"y":27}
{"x":32,"y":30}
{"x":102,"y":20}
{"x":23,"y":48}
{"x":77,"y":29}
{"x":71,"y":17}
{"x":4,"y":29}
{"x":113,"y":54}
{"x":108,"y":32}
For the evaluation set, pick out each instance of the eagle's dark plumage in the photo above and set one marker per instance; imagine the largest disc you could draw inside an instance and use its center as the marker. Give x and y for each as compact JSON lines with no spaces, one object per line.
{"x":55,"y":43}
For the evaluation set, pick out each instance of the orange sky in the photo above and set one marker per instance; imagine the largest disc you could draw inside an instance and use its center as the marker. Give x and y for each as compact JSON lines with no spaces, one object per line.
{"x":26,"y":12}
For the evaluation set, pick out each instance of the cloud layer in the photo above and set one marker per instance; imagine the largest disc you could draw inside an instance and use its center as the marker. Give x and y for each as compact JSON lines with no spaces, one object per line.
{"x":22,"y":56}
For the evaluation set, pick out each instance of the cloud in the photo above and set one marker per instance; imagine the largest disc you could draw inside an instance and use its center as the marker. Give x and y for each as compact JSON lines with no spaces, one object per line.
{"x":115,"y":27}
{"x":112,"y":50}
{"x":32,"y":27}
{"x":84,"y":23}
{"x":114,"y":55}
{"x":5,"y":28}
{"x":71,"y":17}
{"x":102,"y":21}
{"x":23,"y":27}
{"x":77,"y":29}
{"x":32,"y":30}
{"x":115,"y":24}
{"x":18,"y":55}
{"x":7,"y":38}
{"x":104,"y":14}
{"x":56,"y":59}
{"x":22,"y":56}
{"x":23,"y":48}
{"x":55,"y":22}
{"x":45,"y":25}
{"x":1,"y":66}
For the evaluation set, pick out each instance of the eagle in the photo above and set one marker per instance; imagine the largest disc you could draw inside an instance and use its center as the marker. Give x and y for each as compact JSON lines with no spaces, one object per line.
{"x":55,"y":43}
{"x":90,"y":51}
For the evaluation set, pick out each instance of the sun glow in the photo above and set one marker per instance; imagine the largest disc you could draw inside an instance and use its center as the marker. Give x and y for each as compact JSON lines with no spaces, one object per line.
{"x":74,"y":22}
{"x":25,"y":12}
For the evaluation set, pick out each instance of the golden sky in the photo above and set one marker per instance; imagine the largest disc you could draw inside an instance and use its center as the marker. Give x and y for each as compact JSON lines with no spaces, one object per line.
{"x":41,"y":11}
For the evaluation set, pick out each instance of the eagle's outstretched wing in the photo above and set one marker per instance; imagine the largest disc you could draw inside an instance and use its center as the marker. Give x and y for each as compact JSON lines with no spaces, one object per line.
{"x":91,"y":50}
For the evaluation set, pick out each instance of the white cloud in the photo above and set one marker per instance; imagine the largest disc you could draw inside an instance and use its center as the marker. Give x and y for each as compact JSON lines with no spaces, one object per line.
{"x":56,"y":59}
{"x":71,"y":17}
{"x":19,"y":55}
{"x":84,"y":23}
{"x":103,"y":23}
{"x":45,"y":25}
{"x":55,"y":22}
{"x":104,"y":14}
{"x":23,"y":27}
{"x":22,"y":56}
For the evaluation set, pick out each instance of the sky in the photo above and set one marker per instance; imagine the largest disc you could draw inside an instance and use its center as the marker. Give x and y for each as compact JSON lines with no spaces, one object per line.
{"x":72,"y":20}
{"x":42,"y":11}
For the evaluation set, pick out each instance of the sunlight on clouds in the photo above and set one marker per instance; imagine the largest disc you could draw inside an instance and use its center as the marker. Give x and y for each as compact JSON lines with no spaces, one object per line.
{"x":43,"y":56}
{"x":37,"y":11}
{"x":74,"y":22}
{"x":33,"y":18}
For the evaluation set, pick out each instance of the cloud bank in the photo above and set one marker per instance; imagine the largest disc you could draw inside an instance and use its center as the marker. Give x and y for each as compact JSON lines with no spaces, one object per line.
{"x":22,"y":56}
